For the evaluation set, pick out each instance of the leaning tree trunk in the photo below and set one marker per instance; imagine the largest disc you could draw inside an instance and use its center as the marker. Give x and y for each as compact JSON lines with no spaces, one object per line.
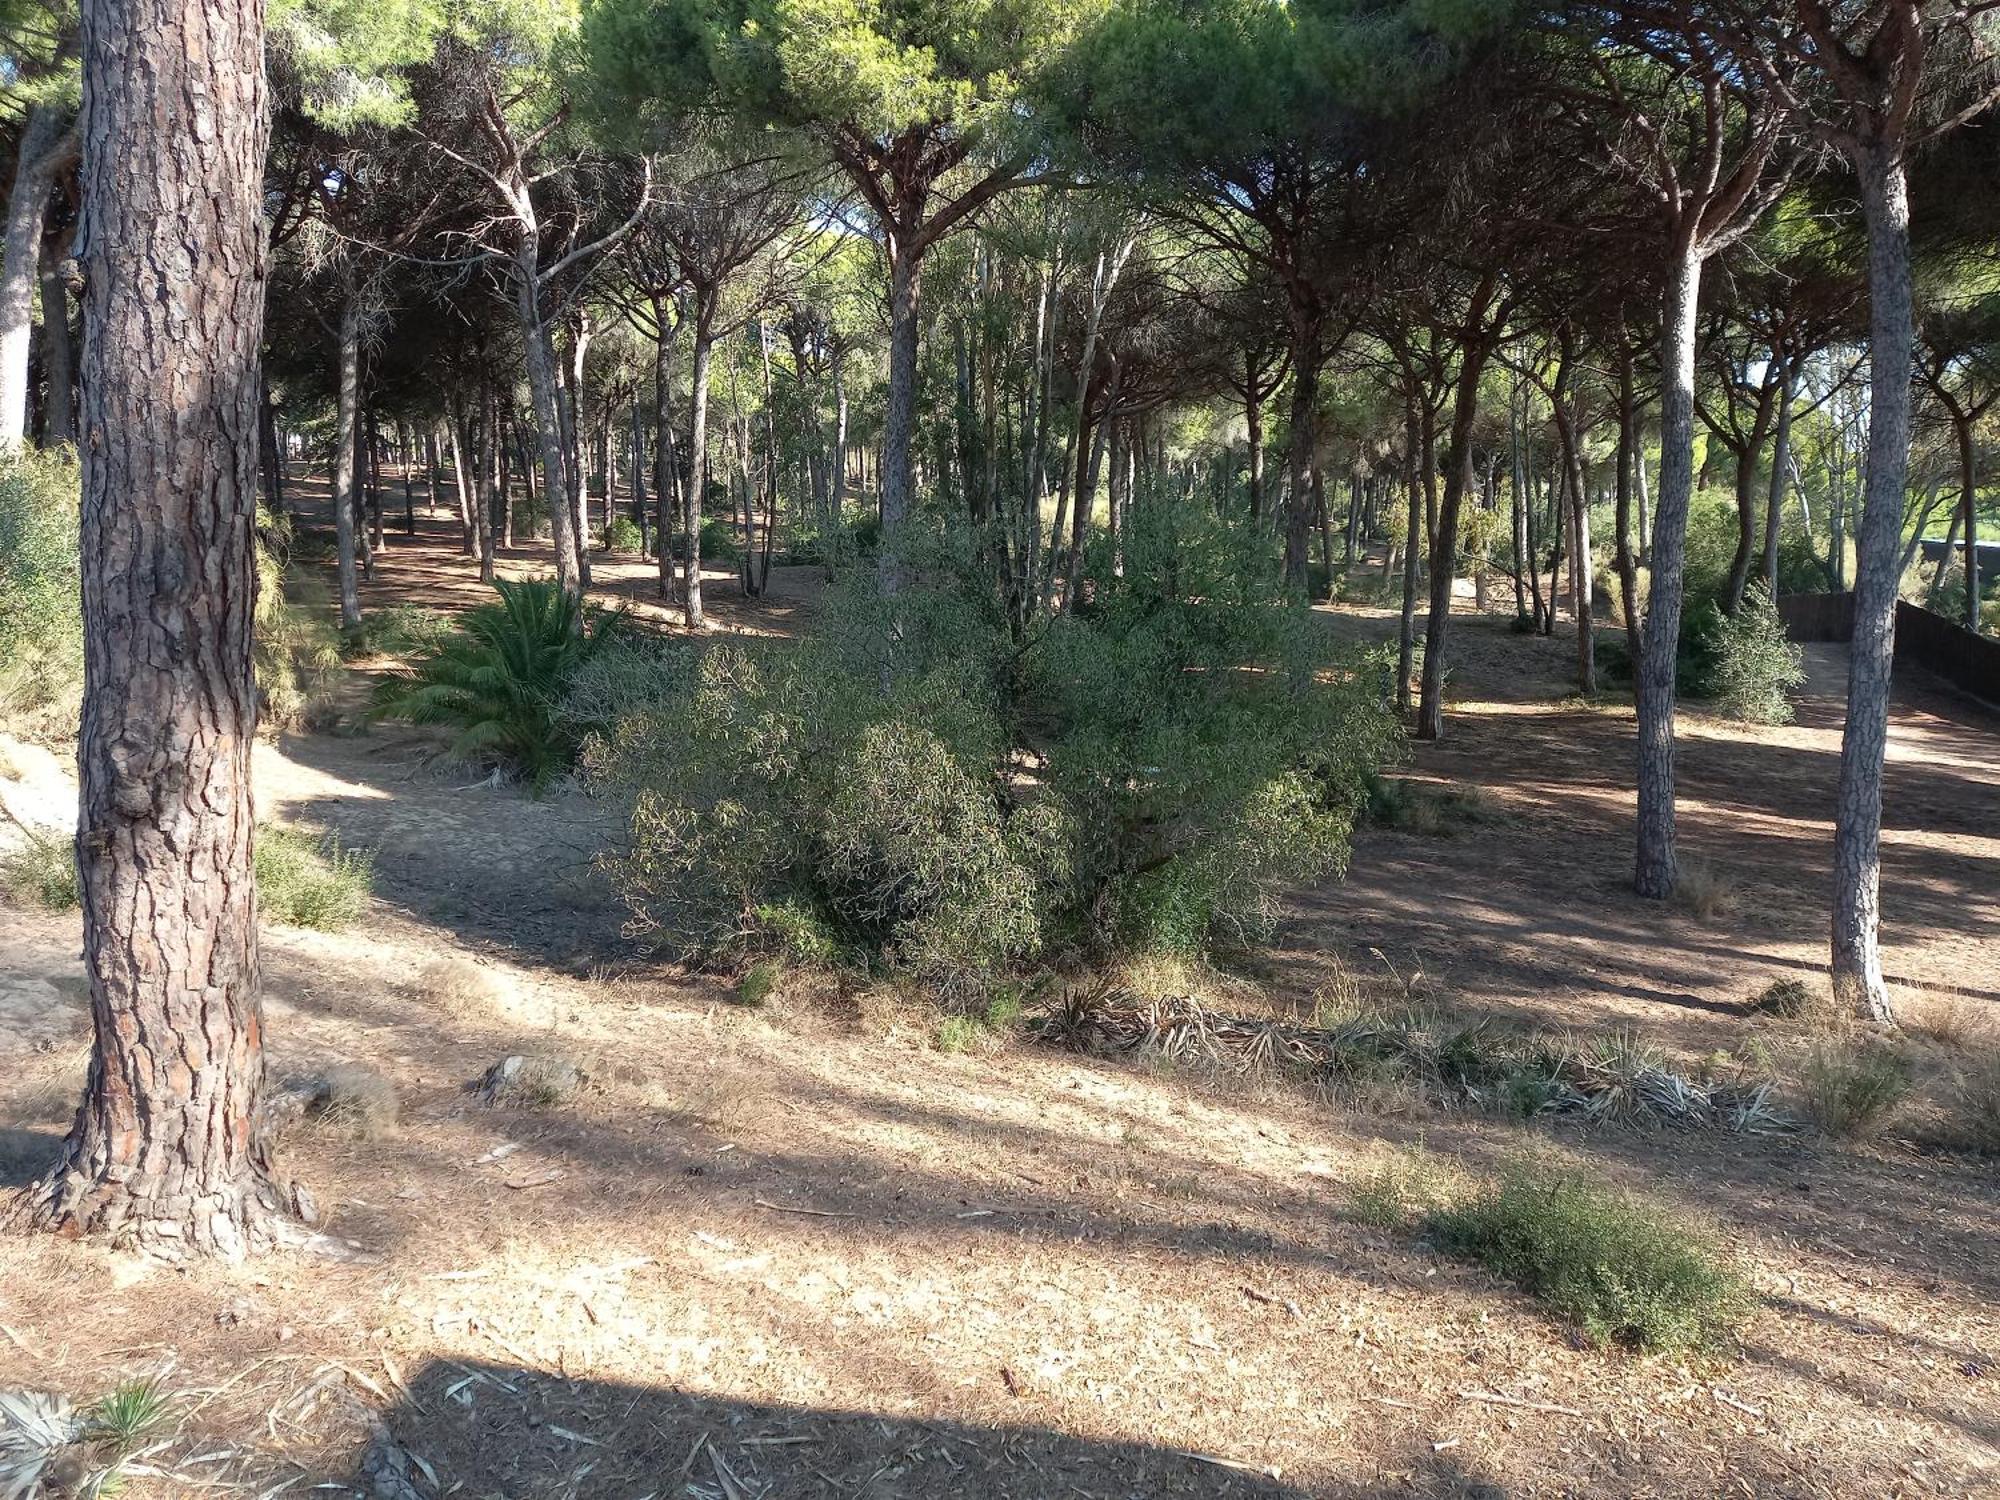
{"x":1299,"y":457}
{"x":1857,"y":819}
{"x":1653,"y":865}
{"x":166,"y":1149}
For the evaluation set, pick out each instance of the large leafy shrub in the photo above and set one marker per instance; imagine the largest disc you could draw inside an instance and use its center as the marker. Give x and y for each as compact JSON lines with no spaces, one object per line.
{"x":911,"y":785}
{"x":1755,"y":664}
{"x":496,"y":681}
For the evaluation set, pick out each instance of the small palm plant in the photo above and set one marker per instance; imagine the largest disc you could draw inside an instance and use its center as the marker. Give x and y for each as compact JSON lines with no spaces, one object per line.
{"x":498,"y":678}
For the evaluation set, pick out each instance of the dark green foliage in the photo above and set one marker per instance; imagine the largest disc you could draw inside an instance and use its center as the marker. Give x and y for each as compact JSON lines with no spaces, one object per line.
{"x":498,"y":678}
{"x":1621,"y":1269}
{"x":1755,"y":665}
{"x":41,"y":601}
{"x":1422,"y":807}
{"x":623,"y":535}
{"x":909,"y":786}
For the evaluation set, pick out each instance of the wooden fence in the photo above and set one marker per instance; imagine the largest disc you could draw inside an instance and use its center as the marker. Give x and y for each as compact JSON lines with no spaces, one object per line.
{"x":1968,"y":661}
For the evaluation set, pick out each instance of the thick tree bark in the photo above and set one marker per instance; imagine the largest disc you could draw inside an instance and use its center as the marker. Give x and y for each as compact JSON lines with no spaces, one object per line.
{"x":1857,"y":825}
{"x":166,"y":1150}
{"x":539,"y":357}
{"x":45,"y":144}
{"x":1653,"y":866}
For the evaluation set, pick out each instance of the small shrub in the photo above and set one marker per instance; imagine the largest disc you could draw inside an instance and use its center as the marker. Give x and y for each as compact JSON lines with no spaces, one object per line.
{"x":1755,"y":664}
{"x":306,"y":880}
{"x":403,"y":630}
{"x":499,"y":679}
{"x":1617,"y":1267}
{"x":456,"y":983}
{"x":1954,"y":1024}
{"x":758,"y":983}
{"x":43,"y":871}
{"x":1976,"y":1106}
{"x":959,"y":1034}
{"x":1850,"y":1088}
{"x":623,"y":535}
{"x":1423,"y":807}
{"x":799,"y":931}
{"x":1788,"y":999}
{"x":127,"y":1415}
{"x":1704,"y":892}
{"x":1410,"y":1187}
{"x":353,"y":1097}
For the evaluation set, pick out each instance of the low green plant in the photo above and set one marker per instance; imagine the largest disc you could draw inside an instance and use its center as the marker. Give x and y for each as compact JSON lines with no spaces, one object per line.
{"x":127,"y":1415}
{"x":758,"y":983}
{"x":1619,"y":1268}
{"x":309,"y":880}
{"x":499,"y":678}
{"x":42,"y":869}
{"x":403,"y":630}
{"x":1850,"y":1088}
{"x":1423,"y":807}
{"x":959,"y":1034}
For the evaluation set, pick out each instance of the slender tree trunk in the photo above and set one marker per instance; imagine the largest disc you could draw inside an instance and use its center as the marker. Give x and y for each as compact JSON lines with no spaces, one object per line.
{"x":1298,"y":498}
{"x":697,"y":469}
{"x":1406,"y":629}
{"x":1968,"y":471}
{"x":1253,"y":416}
{"x":1444,"y":557}
{"x":1628,"y":569}
{"x":59,"y":354}
{"x":1654,"y":868}
{"x":1781,"y":459}
{"x":345,"y":402}
{"x":166,"y":1149}
{"x":1857,"y":826}
{"x":539,"y":357}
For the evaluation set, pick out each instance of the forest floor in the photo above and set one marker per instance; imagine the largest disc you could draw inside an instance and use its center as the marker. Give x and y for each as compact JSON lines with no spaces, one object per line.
{"x":796,"y":1250}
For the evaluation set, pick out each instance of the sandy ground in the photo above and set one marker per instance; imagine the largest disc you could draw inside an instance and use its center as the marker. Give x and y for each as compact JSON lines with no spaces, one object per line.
{"x":797,"y":1251}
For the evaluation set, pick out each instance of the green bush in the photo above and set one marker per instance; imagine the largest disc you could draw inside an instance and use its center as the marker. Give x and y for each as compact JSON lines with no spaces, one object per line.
{"x":623,"y":535}
{"x":308,"y":880}
{"x":41,"y":602}
{"x":1619,"y":1268}
{"x":909,"y":786}
{"x":499,"y":678}
{"x":43,"y":870}
{"x":1851,"y":1087}
{"x":1754,"y":662}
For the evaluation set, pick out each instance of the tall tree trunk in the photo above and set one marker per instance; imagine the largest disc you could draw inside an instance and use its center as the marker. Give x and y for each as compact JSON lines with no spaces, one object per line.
{"x":1653,"y":865}
{"x":704,"y":342}
{"x":1305,"y":403}
{"x":45,"y":145}
{"x":1628,"y":442}
{"x":166,"y":1148}
{"x":1857,"y":823}
{"x":1781,"y":460}
{"x":345,"y":402}
{"x":59,"y":351}
{"x":1253,"y":416}
{"x":1968,"y":473}
{"x":1444,"y":557}
{"x":899,"y":485}
{"x":270,"y":466}
{"x":539,"y":357}
{"x":1406,"y":628}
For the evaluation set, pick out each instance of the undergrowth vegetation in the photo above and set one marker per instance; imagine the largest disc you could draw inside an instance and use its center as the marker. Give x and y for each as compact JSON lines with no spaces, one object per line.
{"x":310,"y":880}
{"x":914,"y":789}
{"x":495,"y":679}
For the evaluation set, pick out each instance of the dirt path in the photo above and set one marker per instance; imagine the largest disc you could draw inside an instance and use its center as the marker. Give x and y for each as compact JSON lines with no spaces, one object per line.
{"x":797,"y":1251}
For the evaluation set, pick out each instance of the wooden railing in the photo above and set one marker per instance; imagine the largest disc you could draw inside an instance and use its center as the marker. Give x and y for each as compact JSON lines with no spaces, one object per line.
{"x":1969,"y":661}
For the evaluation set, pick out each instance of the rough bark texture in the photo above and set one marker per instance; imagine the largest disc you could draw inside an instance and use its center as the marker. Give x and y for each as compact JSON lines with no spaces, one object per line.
{"x":1857,"y":825}
{"x":165,"y":1148}
{"x":900,"y":419}
{"x":704,"y":342}
{"x":1653,"y":866}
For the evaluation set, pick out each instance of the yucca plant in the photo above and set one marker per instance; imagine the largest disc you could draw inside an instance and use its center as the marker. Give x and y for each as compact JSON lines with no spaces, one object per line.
{"x":498,"y":678}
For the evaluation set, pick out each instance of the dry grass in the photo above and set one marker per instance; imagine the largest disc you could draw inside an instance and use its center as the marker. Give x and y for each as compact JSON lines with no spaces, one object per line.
{"x":1950,"y":1022}
{"x":1975,"y":1100}
{"x":1705,"y":892}
{"x":1851,"y":1088}
{"x":540,"y":1079}
{"x":455,"y":984}
{"x":354,"y":1098}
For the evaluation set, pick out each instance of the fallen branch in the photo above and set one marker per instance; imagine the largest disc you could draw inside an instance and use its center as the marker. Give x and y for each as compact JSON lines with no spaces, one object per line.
{"x":1494,"y":1398}
{"x":817,"y":1213}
